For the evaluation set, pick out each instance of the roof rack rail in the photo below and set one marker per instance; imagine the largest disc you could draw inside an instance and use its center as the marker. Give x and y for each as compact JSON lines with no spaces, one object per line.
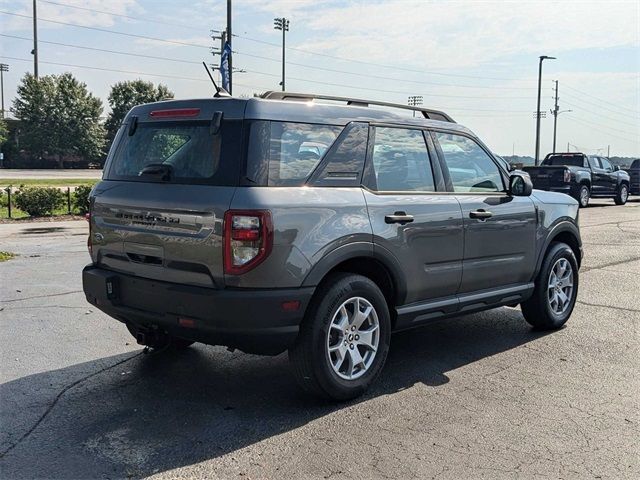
{"x":426,"y":112}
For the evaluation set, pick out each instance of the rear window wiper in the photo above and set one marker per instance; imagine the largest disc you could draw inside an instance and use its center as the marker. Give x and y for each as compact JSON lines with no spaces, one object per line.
{"x":162,"y":171}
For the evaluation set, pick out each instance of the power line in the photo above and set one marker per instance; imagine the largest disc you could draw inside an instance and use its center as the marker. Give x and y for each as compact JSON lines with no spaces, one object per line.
{"x":616,"y":112}
{"x":159,"y":75}
{"x":600,"y":127}
{"x":601,"y":115}
{"x":83,"y":47}
{"x":601,"y":100}
{"x":104,"y":30}
{"x":149,"y":20}
{"x":288,"y":48}
{"x":419,"y":82}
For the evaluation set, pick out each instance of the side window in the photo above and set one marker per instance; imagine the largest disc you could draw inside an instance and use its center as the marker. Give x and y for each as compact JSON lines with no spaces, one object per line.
{"x":470,"y":168}
{"x":606,"y":164}
{"x":344,"y":161}
{"x":400,"y":160}
{"x":595,"y":162}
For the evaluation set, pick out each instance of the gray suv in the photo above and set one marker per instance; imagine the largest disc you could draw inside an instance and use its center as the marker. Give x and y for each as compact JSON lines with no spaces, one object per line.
{"x":317,"y":225}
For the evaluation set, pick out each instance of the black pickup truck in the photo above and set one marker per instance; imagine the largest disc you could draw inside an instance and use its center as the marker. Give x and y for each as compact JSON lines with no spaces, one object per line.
{"x":581,"y":177}
{"x":634,"y":173}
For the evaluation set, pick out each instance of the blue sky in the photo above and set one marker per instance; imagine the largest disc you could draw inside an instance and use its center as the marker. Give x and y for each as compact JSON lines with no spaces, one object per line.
{"x":477,"y":60}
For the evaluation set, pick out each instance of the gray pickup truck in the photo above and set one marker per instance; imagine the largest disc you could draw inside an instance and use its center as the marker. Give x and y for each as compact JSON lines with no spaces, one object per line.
{"x":317,"y":225}
{"x":581,"y":177}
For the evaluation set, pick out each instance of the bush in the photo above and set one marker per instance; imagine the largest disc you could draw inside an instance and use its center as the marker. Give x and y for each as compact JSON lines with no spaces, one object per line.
{"x":81,"y":198}
{"x":38,"y":201}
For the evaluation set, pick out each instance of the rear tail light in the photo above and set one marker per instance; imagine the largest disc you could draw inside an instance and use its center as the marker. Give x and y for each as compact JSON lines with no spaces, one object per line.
{"x":567,"y":176}
{"x":248,"y":237}
{"x":89,"y":240}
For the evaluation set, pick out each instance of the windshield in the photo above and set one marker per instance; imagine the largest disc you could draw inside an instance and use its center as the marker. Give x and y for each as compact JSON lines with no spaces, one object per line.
{"x":188,"y":150}
{"x":573,"y":160}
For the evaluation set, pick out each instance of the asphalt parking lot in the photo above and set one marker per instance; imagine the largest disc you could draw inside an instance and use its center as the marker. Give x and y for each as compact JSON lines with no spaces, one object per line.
{"x":480,"y":396}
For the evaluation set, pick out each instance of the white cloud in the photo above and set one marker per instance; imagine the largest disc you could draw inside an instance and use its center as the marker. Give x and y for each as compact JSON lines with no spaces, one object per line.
{"x":465,"y":34}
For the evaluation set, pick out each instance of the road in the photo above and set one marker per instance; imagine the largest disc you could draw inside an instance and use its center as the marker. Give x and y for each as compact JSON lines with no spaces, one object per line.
{"x":480,"y":396}
{"x":46,"y":174}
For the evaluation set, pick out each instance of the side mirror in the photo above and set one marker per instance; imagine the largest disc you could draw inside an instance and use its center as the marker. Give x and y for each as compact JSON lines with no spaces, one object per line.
{"x":616,"y":168}
{"x":520,"y":185}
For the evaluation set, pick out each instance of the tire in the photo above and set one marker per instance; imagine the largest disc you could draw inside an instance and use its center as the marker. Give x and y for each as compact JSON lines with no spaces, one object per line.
{"x":322,"y":329}
{"x":622,"y":195}
{"x":544,"y":311}
{"x":583,"y":196}
{"x":161,"y":340}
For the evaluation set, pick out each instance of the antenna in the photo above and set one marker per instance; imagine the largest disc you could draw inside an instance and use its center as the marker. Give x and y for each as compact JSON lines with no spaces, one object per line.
{"x":220,"y":92}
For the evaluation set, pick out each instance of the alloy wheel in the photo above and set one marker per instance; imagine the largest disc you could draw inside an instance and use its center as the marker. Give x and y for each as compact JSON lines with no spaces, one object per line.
{"x":353,"y":337}
{"x":560,"y":286}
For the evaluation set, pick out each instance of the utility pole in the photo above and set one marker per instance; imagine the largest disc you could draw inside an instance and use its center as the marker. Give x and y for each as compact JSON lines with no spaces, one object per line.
{"x":567,"y":147}
{"x":3,"y":68}
{"x":538,"y":112}
{"x":414,"y":101}
{"x":608,"y":151}
{"x":282,"y":24}
{"x":555,"y":119}
{"x":35,"y":40}
{"x":229,"y":38}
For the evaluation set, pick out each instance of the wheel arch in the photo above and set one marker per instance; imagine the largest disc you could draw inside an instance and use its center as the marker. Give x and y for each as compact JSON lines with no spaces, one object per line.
{"x":565,"y":232}
{"x":364,"y":259}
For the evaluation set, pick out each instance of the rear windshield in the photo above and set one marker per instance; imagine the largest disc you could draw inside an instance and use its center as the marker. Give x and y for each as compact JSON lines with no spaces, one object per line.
{"x":572,"y":160}
{"x":189,"y":150}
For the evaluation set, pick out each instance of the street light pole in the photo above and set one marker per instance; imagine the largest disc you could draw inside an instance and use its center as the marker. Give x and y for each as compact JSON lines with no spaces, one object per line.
{"x":3,"y":68}
{"x":282,"y":24}
{"x":538,"y":113}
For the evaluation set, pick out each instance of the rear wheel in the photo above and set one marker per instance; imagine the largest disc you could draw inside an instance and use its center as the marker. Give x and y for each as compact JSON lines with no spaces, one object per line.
{"x":583,"y":195}
{"x":622,"y":195}
{"x":556,"y":289}
{"x":344,"y":338}
{"x":156,"y":339}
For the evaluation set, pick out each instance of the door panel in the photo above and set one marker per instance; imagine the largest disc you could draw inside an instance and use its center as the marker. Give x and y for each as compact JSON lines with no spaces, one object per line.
{"x":499,"y":230}
{"x":498,"y":250}
{"x":429,"y":248}
{"x":422,"y":230}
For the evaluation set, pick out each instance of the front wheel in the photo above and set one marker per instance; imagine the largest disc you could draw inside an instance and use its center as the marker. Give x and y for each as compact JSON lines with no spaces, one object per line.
{"x":344,"y":338}
{"x":556,"y":289}
{"x":622,"y":195}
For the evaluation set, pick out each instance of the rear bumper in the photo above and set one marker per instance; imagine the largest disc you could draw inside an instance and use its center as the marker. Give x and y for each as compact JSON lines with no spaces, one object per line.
{"x":250,"y":320}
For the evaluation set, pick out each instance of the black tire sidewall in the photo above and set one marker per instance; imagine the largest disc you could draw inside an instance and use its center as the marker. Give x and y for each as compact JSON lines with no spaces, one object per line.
{"x":584,"y":187}
{"x":345,"y":288}
{"x":557,"y":251}
{"x":619,"y":200}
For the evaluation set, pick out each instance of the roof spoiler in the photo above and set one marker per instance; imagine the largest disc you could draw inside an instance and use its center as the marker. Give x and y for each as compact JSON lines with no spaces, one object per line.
{"x":307,"y":97}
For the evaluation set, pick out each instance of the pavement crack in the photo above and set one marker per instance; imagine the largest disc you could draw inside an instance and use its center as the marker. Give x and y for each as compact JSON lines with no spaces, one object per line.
{"x":58,"y":397}
{"x":607,"y":306}
{"x":612,"y":264}
{"x":41,"y":296}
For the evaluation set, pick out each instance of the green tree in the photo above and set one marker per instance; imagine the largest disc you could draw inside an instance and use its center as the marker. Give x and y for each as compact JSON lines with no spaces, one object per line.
{"x":4,"y":132}
{"x":126,"y":95}
{"x":59,"y":117}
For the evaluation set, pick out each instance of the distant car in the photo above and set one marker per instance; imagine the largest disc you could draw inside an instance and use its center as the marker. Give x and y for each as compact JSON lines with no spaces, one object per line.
{"x":581,"y":177}
{"x":94,"y":166}
{"x":634,"y":174}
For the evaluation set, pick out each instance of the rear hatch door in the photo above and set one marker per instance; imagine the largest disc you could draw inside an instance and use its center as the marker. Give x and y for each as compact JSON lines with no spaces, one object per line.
{"x":169,"y":178}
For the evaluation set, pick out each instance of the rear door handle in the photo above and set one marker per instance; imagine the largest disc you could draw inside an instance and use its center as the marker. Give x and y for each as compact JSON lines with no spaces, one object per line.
{"x":480,"y":214}
{"x":398,"y":217}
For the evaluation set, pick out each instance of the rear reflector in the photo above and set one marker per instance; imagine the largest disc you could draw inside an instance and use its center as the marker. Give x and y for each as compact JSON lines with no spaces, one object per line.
{"x":291,"y":305}
{"x":176,"y":112}
{"x":187,"y":322}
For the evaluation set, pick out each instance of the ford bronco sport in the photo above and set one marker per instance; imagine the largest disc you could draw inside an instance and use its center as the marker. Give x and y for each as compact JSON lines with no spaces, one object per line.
{"x":296,"y":222}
